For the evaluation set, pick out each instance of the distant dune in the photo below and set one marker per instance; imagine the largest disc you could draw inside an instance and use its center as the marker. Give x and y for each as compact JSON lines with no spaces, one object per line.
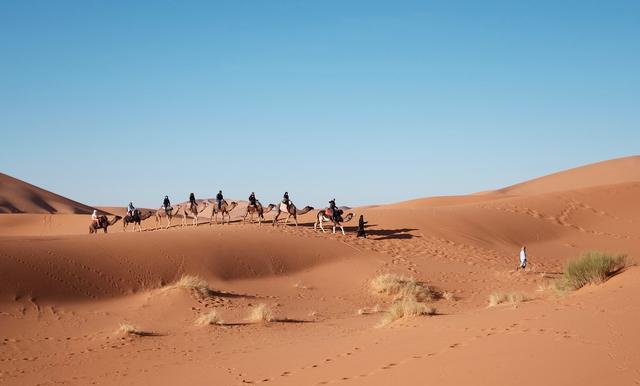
{"x":17,"y":196}
{"x":616,"y":171}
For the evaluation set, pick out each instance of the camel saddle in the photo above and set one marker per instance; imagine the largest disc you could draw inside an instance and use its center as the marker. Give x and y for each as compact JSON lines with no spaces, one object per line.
{"x":328,"y":212}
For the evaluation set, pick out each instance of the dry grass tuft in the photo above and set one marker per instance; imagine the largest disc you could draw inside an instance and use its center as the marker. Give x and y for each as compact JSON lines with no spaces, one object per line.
{"x":193,"y":283}
{"x":508,"y":298}
{"x":129,"y":329}
{"x":211,"y":318}
{"x":260,"y":313}
{"x":590,"y":268}
{"x":405,"y":308}
{"x":401,"y":287}
{"x":448,"y":296}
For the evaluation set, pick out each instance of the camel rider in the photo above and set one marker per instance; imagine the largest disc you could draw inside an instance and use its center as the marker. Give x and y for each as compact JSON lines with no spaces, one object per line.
{"x":192,"y":201}
{"x":219,"y":199}
{"x":285,"y":199}
{"x":252,"y":199}
{"x":130,"y":209}
{"x":334,"y":209}
{"x":94,"y":218}
{"x":166,"y":204}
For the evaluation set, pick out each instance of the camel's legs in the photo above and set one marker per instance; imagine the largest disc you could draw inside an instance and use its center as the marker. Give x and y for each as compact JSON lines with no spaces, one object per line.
{"x":341,"y":227}
{"x":321,"y":226}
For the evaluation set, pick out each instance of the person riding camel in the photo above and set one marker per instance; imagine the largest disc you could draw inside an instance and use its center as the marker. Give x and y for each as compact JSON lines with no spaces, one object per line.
{"x":334,"y":210}
{"x":166,"y":204}
{"x":252,"y":200}
{"x":192,"y":202}
{"x":219,"y":199}
{"x":95,"y":219}
{"x":131,"y":209}
{"x":285,"y":199}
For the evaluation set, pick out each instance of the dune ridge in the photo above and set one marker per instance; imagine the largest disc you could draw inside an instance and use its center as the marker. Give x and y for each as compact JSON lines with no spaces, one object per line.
{"x":17,"y":196}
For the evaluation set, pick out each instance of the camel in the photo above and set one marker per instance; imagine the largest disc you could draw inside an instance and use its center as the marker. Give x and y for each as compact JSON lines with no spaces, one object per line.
{"x":103,"y":223}
{"x":325,"y":215}
{"x":292,"y":211}
{"x":193,"y":210}
{"x":225,"y":208}
{"x":172,"y":211}
{"x":259,"y":209}
{"x":136,"y":219}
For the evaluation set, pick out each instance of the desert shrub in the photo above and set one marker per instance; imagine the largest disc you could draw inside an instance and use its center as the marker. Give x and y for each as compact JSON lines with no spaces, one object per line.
{"x":590,"y":267}
{"x":401,"y":287}
{"x":260,"y":313}
{"x":209,"y":319}
{"x":509,"y":298}
{"x":129,"y":329}
{"x":404,"y":308}
{"x":193,"y":283}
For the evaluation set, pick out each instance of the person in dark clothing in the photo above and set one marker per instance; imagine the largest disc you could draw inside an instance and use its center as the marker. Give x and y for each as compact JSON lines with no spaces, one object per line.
{"x":334,"y":209}
{"x":285,"y":199}
{"x":192,"y":201}
{"x":361,"y":224}
{"x":166,"y":204}
{"x":252,"y":199}
{"x":219,"y":199}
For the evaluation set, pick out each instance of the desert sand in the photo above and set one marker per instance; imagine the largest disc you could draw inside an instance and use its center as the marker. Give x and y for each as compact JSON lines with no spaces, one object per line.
{"x":64,"y":294}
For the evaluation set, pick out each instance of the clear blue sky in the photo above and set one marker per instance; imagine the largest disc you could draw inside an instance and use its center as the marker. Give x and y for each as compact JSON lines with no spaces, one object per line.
{"x":368,"y":102}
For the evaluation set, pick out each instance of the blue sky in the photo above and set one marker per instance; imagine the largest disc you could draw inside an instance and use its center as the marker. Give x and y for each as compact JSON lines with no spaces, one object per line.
{"x":367,"y":102}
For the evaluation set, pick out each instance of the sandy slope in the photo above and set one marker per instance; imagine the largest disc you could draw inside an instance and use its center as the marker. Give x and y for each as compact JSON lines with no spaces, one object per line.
{"x":20,"y":197}
{"x":63,"y":295}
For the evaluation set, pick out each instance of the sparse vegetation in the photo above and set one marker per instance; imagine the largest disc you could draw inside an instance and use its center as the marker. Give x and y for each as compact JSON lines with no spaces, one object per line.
{"x":193,"y":283}
{"x":408,"y":294}
{"x":260,"y":313}
{"x":129,"y":329}
{"x":401,"y":287}
{"x":210,"y":318}
{"x":509,"y":298}
{"x":406,"y":308}
{"x":590,"y":268}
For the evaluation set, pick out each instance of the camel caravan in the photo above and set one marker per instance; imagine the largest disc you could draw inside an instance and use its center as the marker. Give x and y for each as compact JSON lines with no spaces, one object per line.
{"x":220,"y":207}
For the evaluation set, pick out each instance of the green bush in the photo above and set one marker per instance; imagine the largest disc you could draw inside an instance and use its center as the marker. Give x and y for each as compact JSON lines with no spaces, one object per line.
{"x":591,"y":267}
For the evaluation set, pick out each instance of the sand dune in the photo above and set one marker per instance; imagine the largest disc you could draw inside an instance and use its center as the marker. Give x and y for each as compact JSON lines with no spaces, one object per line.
{"x":20,"y":197}
{"x":617,"y":171}
{"x":64,"y":294}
